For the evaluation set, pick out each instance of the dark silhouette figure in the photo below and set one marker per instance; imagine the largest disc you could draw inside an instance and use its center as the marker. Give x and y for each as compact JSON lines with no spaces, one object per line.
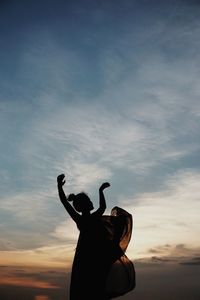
{"x":100,"y":268}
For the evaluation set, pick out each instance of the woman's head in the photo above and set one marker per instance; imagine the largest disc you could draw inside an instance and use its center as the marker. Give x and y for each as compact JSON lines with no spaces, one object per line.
{"x":81,"y":202}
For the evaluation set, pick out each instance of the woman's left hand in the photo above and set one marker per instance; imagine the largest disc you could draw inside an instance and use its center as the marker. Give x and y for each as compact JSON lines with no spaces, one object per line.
{"x":104,"y":186}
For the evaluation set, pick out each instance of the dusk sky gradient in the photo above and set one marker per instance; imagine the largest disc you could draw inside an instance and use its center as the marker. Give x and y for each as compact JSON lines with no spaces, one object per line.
{"x":100,"y":91}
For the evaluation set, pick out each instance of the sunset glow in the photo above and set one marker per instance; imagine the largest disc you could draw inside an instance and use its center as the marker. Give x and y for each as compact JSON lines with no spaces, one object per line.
{"x":41,"y":297}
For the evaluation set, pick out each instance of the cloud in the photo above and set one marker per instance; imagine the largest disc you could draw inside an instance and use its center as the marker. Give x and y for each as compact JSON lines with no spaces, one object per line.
{"x":139,"y":132}
{"x":133,"y":112}
{"x":160,"y":249}
{"x":54,"y":256}
{"x":26,"y":282}
{"x":179,"y":253}
{"x":33,"y":283}
{"x":66,"y":231}
{"x":166,"y":216}
{"x":193,"y":262}
{"x":156,"y":259}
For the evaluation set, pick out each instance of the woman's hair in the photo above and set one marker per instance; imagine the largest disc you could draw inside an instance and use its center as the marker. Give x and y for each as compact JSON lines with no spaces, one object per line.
{"x":80,"y":201}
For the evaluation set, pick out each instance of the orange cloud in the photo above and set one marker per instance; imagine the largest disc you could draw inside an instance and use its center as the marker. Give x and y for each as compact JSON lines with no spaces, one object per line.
{"x":41,"y":297}
{"x":50,"y":256}
{"x":27,"y":282}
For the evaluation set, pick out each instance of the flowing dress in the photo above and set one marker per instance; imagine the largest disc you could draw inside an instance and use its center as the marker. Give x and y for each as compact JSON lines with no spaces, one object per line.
{"x":101,"y":270}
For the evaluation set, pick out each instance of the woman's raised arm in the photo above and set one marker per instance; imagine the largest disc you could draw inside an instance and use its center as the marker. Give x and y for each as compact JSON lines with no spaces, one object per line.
{"x":71,"y":211}
{"x":102,"y":201}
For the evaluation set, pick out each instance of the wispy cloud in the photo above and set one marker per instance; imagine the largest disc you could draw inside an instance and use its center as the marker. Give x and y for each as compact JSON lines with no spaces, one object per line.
{"x":166,"y":216}
{"x":56,"y":256}
{"x":130,"y":110}
{"x":66,"y":231}
{"x":34,"y":282}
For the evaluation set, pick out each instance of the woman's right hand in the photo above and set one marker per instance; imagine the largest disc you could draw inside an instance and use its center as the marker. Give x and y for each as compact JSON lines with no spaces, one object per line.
{"x":60,"y":179}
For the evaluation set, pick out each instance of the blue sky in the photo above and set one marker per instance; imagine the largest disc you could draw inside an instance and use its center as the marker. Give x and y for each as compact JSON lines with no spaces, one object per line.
{"x":100,"y":91}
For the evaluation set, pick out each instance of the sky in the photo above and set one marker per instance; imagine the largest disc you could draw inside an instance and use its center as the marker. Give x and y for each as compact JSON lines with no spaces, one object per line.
{"x":100,"y":91}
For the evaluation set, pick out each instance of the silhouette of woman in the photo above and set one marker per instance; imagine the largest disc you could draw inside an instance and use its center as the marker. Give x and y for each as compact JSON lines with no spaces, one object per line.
{"x":99,"y":260}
